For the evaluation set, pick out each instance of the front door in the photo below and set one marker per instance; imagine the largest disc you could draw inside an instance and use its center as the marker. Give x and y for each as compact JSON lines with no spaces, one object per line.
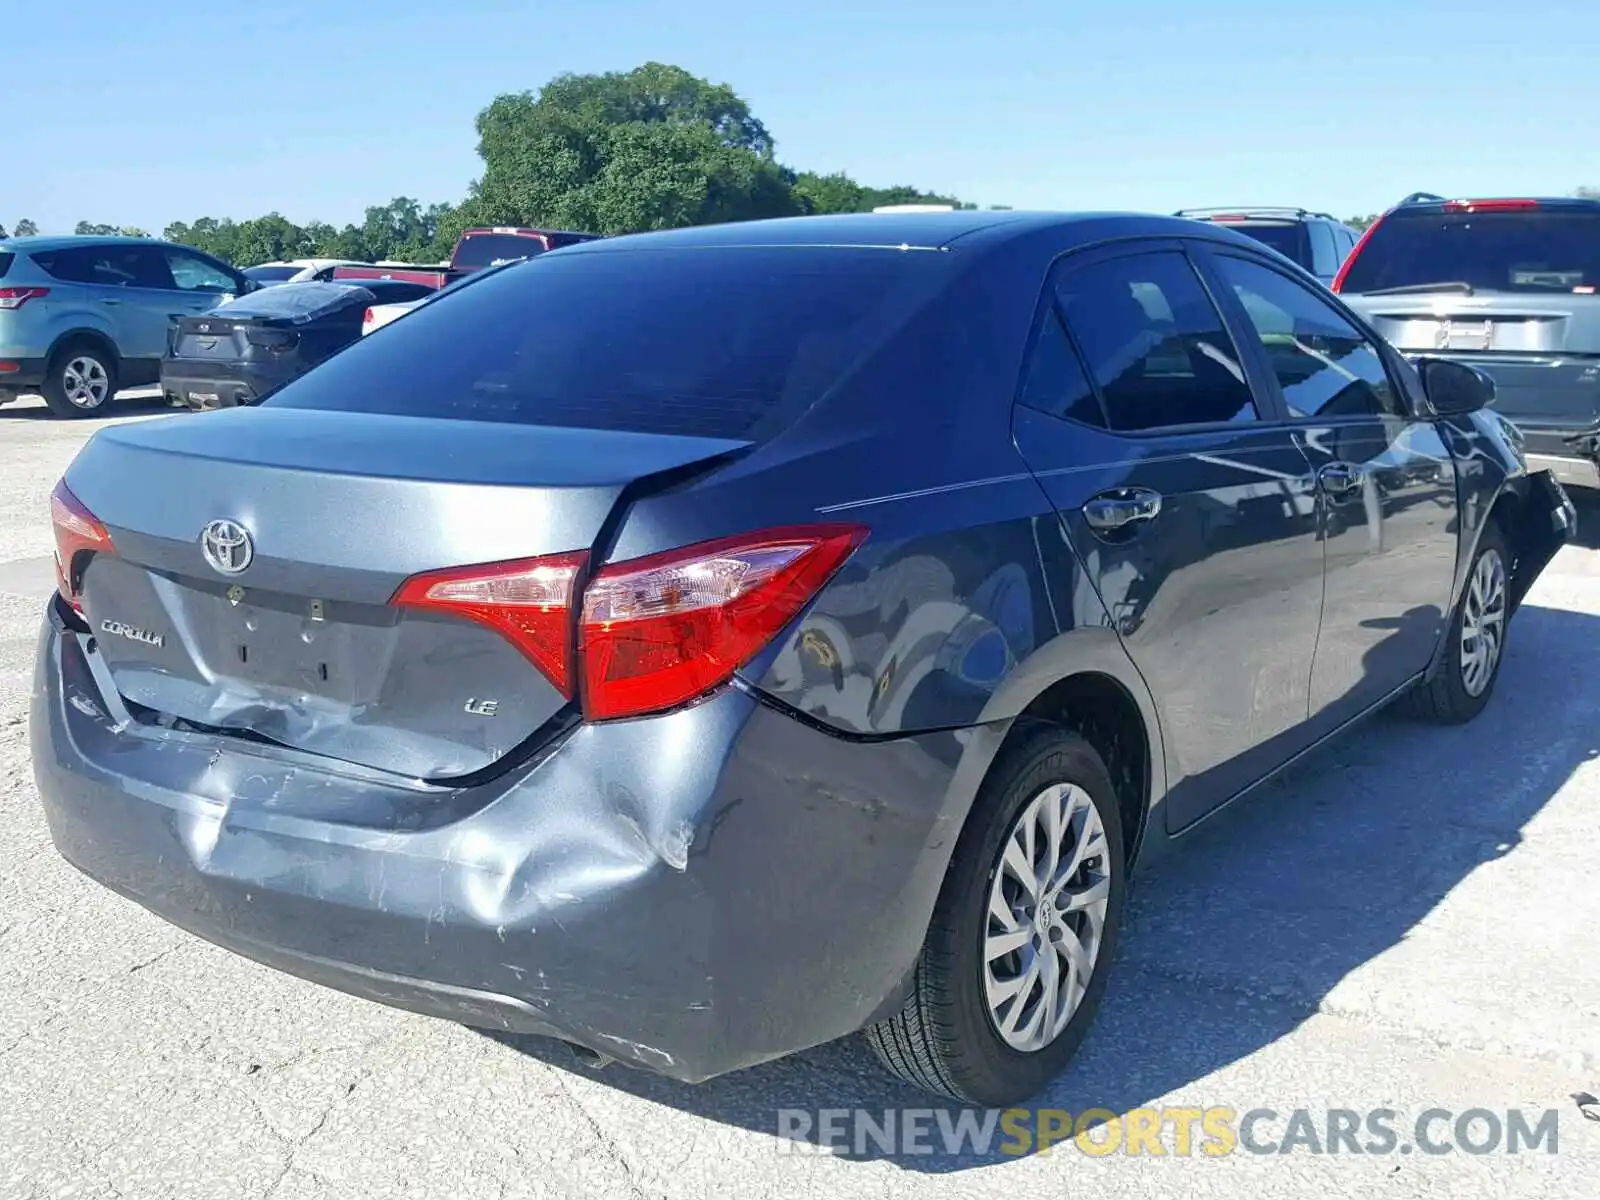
{"x":1386,"y":489}
{"x":1192,"y":513}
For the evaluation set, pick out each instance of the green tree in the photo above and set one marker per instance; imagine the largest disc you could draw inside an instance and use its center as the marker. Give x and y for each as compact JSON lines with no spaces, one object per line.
{"x":1362,"y":223}
{"x":25,"y":228}
{"x":1588,"y":193}
{"x":651,"y":148}
{"x":838,"y":193}
{"x":88,"y":228}
{"x":3,"y":232}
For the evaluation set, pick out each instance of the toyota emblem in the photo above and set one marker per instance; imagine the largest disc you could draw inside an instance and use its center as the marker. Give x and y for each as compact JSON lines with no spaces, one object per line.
{"x":227,"y":546}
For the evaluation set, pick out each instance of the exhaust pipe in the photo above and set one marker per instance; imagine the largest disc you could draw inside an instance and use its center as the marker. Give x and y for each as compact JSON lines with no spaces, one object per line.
{"x":586,"y":1057}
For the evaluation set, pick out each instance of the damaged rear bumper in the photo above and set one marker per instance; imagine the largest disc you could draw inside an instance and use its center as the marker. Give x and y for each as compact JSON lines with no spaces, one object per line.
{"x":692,"y":893}
{"x":1545,"y":521}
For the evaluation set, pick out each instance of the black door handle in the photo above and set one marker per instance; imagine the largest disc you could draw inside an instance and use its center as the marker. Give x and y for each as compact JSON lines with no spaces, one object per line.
{"x":1121,"y":507}
{"x":1340,"y":477}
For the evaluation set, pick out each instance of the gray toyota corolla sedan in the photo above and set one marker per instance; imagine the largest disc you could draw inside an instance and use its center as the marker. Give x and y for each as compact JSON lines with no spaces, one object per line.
{"x":702,"y":645}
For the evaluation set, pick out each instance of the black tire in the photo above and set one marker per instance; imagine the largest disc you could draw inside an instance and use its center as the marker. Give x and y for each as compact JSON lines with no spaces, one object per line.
{"x":1446,"y":699}
{"x":58,"y":390}
{"x":944,"y":1040}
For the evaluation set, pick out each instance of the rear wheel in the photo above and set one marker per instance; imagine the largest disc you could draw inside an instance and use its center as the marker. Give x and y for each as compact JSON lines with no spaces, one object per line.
{"x":1477,"y":640}
{"x":81,"y":378}
{"x":1022,"y":936}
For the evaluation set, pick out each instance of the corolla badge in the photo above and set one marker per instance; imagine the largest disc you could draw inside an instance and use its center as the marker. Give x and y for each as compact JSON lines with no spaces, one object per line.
{"x":227,"y":546}
{"x":134,"y":634}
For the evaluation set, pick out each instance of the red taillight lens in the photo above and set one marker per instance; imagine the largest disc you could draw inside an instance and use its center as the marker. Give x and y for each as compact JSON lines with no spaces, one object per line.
{"x":367,"y":318}
{"x":1349,"y":260}
{"x":16,"y":297}
{"x":528,"y":601}
{"x":659,"y":631}
{"x":77,"y":531}
{"x":655,"y":632}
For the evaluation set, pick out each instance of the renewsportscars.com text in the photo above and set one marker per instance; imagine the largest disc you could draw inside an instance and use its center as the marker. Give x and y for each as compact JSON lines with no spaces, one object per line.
{"x":1160,"y":1132}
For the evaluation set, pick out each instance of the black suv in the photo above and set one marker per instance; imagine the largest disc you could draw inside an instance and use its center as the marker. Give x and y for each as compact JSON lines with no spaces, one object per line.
{"x":1509,"y":285}
{"x":1316,"y":241}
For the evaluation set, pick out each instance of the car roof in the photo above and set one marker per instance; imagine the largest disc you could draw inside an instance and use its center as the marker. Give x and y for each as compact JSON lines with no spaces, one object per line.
{"x":923,"y":230}
{"x":60,"y":241}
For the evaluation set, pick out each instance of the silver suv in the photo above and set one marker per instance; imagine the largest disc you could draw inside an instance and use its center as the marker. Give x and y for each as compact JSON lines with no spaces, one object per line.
{"x":1508,"y":285}
{"x":81,"y":317}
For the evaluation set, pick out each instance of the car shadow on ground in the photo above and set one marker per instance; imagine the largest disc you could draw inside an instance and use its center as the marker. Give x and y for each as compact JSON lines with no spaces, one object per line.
{"x":33,"y":409}
{"x":1235,"y":941}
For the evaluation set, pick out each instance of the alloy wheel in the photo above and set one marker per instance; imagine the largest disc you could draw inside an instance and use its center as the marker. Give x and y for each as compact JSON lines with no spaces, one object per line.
{"x":1483,"y":622}
{"x":1046,"y":917}
{"x":85,"y":382}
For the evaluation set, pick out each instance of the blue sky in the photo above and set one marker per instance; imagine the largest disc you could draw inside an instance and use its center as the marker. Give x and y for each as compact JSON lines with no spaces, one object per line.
{"x":151,"y":112}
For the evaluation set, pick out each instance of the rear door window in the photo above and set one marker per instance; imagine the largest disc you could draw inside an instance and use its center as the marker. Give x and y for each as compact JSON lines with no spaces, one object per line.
{"x":1547,"y":250}
{"x":1324,"y":365}
{"x":1055,"y":381}
{"x":728,"y":342}
{"x":106,"y":266}
{"x":1154,"y":343}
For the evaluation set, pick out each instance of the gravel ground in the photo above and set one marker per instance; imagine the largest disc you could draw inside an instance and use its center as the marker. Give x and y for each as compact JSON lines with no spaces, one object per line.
{"x":1407,"y":922}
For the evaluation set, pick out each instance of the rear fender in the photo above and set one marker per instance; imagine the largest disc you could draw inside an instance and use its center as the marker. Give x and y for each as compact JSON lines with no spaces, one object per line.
{"x":96,"y":334}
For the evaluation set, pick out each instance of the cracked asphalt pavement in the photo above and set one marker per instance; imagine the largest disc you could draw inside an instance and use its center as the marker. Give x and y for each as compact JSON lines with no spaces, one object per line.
{"x":1407,"y":921}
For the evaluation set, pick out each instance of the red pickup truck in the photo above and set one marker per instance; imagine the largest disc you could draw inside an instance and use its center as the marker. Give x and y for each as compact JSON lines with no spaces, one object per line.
{"x":475,"y":249}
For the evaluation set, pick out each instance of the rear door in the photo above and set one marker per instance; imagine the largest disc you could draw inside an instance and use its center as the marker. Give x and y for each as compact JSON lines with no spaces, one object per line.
{"x":1517,"y":293}
{"x":1191,"y":510}
{"x":1386,"y":487}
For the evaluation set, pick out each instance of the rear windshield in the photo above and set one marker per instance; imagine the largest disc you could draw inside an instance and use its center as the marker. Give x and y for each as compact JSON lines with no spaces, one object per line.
{"x":5,"y":262}
{"x":271,"y":274}
{"x":485,"y":249}
{"x":725,"y":342}
{"x":297,"y":302}
{"x":1285,"y":239}
{"x":1530,"y":251}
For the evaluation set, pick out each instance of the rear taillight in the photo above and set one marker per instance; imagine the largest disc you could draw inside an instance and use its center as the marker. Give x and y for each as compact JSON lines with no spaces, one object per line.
{"x":16,"y":297}
{"x":367,"y":318}
{"x":273,"y":339}
{"x":78,"y":531}
{"x":654,"y":632}
{"x":528,"y":601}
{"x":1349,"y":259}
{"x":659,"y":631}
{"x":1457,"y":206}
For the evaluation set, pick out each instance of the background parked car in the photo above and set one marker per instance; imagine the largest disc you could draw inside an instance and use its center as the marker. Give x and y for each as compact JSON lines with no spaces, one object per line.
{"x":1509,"y":285}
{"x":475,"y":250}
{"x":243,"y":349}
{"x":297,"y":270}
{"x":81,"y":317}
{"x":380,"y":315}
{"x":1317,"y":241}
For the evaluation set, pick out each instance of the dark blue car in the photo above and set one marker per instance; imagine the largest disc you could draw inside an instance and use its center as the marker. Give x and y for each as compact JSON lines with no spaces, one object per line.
{"x":702,"y":645}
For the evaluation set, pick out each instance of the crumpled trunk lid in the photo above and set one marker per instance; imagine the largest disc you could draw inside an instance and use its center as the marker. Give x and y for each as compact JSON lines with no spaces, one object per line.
{"x":302,"y":646}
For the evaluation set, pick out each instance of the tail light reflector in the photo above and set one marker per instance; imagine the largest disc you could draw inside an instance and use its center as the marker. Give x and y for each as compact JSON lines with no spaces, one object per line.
{"x":654,"y":632}
{"x":661,"y":630}
{"x":1489,"y":205}
{"x":15,"y":297}
{"x":77,"y":531}
{"x":528,"y":601}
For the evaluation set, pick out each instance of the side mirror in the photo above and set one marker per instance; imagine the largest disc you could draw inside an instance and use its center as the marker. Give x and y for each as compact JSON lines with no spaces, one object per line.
{"x":1453,"y":388}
